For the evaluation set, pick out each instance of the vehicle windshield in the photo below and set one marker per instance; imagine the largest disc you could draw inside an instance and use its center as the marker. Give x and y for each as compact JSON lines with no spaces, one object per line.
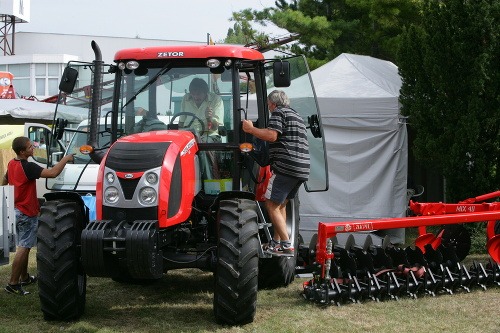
{"x":79,"y":138}
{"x":190,"y":98}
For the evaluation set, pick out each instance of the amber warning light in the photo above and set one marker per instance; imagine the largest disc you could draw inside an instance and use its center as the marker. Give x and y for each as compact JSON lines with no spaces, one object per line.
{"x":246,"y":147}
{"x":86,"y":149}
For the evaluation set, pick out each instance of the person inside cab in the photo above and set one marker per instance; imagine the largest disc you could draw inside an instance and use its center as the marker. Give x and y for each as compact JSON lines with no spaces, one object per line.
{"x":205,"y":105}
{"x":209,"y":108}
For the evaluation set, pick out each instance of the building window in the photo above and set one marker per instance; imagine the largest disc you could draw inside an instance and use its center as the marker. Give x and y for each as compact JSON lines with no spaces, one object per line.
{"x":40,"y":80}
{"x":46,"y":79}
{"x":22,"y":75}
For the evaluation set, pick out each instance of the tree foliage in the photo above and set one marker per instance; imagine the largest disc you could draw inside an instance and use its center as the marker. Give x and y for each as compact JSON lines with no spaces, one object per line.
{"x":450,"y":65}
{"x":328,"y":28}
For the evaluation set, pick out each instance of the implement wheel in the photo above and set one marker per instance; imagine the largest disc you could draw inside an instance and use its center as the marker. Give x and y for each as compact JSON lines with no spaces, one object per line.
{"x":235,"y":294}
{"x":61,"y":278}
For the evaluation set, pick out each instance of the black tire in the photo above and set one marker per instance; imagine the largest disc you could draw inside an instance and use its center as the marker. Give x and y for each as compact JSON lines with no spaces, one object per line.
{"x":235,"y":294}
{"x":61,"y":277}
{"x":277,"y":272}
{"x":497,"y":228}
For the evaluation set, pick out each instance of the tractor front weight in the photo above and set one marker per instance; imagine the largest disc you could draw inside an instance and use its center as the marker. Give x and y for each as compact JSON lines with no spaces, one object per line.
{"x":353,"y":272}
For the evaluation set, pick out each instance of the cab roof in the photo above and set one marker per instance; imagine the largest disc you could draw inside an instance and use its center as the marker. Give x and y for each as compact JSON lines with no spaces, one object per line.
{"x":189,"y":52}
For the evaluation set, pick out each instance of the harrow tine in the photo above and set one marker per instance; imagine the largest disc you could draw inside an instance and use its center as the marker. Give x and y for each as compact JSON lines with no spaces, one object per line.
{"x":334,"y":295}
{"x":447,"y":280}
{"x":464,"y":277}
{"x":373,"y":287}
{"x":354,"y":290}
{"x":430,"y":283}
{"x":393,"y":286}
{"x":412,"y":285}
{"x":480,"y":275}
{"x":495,"y":271}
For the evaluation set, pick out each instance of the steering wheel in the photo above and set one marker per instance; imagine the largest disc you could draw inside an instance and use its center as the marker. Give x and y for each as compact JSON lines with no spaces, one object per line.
{"x":193,"y":116}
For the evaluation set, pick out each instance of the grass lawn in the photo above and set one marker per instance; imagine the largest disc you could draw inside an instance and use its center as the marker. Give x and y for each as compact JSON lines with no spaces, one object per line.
{"x":182,"y":302}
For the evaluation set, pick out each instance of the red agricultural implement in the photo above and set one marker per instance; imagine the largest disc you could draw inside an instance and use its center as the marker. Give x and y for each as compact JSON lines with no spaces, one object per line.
{"x":353,"y":273}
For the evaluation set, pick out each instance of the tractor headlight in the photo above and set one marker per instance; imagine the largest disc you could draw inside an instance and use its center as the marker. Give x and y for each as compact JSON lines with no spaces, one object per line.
{"x":111,"y":195}
{"x":147,"y":196}
{"x":213,"y":63}
{"x":151,"y":178}
{"x":110,"y":177}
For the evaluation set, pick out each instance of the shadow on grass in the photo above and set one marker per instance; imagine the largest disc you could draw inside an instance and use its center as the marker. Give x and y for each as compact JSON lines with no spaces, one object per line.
{"x":180,"y":299}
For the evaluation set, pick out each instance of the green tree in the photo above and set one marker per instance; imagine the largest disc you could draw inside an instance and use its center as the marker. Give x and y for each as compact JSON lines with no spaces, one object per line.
{"x":328,"y":28}
{"x":450,"y":66}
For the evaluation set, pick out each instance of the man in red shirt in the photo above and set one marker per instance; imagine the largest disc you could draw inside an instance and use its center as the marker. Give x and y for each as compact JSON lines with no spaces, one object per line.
{"x":23,"y":175}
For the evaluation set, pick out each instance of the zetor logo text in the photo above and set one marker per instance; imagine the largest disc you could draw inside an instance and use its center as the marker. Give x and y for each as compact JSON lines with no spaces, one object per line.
{"x":170,"y":54}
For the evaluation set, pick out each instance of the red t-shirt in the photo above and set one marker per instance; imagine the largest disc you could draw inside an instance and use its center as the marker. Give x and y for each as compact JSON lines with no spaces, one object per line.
{"x":23,"y":175}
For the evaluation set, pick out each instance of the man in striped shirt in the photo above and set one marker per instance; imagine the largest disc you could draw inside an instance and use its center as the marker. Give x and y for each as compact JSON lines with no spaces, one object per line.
{"x":289,"y":157}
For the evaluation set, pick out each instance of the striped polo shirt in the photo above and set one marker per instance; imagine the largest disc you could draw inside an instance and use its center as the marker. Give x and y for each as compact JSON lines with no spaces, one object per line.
{"x":289,"y":154}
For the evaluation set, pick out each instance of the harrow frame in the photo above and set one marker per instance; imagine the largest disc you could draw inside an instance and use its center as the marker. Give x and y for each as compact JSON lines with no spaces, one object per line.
{"x":325,"y":289}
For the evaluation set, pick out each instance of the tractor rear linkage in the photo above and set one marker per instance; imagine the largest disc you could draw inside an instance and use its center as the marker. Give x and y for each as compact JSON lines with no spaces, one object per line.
{"x":354,"y":273}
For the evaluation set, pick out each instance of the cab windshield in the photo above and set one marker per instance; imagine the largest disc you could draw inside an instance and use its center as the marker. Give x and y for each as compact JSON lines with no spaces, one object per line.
{"x":190,"y":98}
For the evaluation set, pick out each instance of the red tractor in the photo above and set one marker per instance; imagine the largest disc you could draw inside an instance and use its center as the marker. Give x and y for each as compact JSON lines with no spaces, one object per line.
{"x":173,"y":193}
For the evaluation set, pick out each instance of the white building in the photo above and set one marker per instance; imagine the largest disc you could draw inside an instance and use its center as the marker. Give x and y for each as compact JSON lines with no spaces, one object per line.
{"x":40,"y":58}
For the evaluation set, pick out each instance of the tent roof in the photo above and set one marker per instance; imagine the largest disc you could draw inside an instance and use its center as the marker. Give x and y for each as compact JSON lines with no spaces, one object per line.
{"x":357,"y":76}
{"x":33,"y":110}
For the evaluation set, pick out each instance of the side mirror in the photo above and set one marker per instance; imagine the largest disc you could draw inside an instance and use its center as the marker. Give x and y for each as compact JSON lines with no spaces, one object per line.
{"x":281,"y":74}
{"x":68,"y":80}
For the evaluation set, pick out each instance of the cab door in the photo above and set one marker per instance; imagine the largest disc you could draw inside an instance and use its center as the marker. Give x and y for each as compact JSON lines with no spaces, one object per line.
{"x":303,"y":100}
{"x":40,"y":136}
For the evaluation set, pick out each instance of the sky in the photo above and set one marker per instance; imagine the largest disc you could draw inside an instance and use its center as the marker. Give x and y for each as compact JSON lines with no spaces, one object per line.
{"x":184,"y":20}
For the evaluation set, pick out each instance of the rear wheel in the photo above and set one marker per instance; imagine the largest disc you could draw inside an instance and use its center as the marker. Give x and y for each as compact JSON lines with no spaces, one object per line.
{"x":61,"y":277}
{"x":235,"y":294}
{"x":279,"y":272}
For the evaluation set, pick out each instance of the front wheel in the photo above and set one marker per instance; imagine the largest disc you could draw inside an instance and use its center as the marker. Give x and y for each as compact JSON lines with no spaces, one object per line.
{"x":61,"y":277}
{"x":235,"y":294}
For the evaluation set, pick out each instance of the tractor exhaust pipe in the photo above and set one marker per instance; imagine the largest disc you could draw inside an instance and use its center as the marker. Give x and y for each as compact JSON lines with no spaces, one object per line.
{"x":95,"y":108}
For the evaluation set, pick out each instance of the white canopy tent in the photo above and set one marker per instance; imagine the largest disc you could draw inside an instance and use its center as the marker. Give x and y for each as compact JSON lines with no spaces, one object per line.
{"x":33,"y":110}
{"x":366,"y":143}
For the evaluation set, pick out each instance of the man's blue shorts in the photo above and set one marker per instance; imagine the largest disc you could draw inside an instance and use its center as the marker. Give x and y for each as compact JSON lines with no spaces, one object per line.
{"x":282,"y":187}
{"x":26,"y":228}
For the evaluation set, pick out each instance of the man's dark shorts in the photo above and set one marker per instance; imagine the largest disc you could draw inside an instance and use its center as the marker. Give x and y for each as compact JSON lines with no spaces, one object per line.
{"x":26,"y":227}
{"x":282,"y":187}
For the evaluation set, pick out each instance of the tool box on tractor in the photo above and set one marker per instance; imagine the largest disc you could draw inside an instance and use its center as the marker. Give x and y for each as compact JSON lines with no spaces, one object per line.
{"x":356,"y":272}
{"x":168,"y":196}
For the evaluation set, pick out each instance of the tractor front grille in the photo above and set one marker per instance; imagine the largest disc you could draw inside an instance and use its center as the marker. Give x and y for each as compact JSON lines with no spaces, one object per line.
{"x":136,"y":157}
